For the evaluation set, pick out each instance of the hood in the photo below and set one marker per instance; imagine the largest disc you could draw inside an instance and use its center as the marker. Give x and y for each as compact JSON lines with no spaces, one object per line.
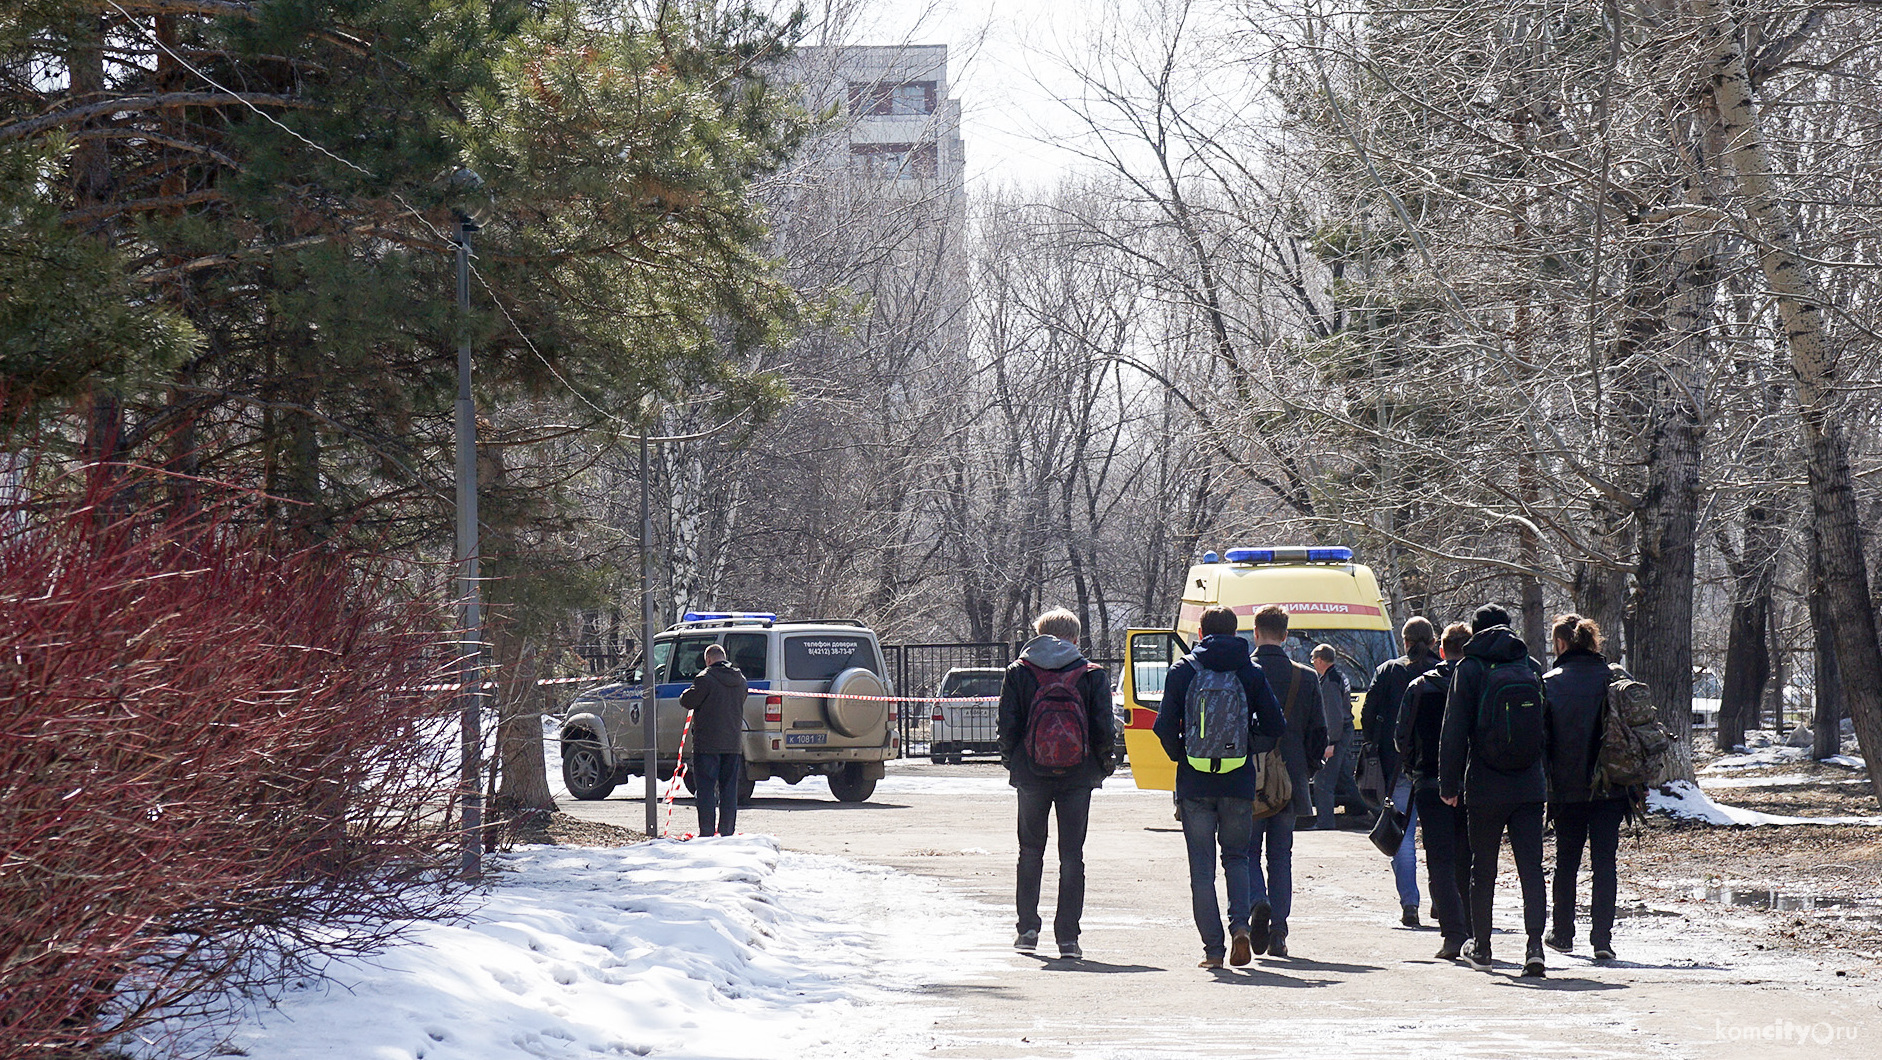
{"x":726,"y":674}
{"x":1498,"y":644}
{"x":1050,"y":653}
{"x":1222,"y":651}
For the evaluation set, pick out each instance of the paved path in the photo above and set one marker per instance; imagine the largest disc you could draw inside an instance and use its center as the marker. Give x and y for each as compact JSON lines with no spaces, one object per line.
{"x":1691,"y":984}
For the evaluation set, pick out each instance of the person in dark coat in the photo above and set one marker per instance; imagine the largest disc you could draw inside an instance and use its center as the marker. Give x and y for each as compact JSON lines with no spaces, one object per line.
{"x":1420,"y":726}
{"x":1304,"y":747}
{"x":1335,"y":780}
{"x":717,"y":700}
{"x":1219,"y":806}
{"x":1497,"y":799}
{"x":1041,"y":791}
{"x":1378,"y":719}
{"x":1578,"y":693}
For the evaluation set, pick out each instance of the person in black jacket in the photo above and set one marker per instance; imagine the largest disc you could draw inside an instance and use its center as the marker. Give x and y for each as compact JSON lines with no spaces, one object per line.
{"x":1335,"y":781}
{"x":1304,"y":746}
{"x":1497,"y":798}
{"x":717,"y":700}
{"x":1378,"y":719}
{"x":1219,"y":805}
{"x":1447,"y":852}
{"x":1578,"y":695}
{"x":1042,"y":791}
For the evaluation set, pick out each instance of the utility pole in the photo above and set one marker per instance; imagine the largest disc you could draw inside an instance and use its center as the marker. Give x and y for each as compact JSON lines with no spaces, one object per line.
{"x":470,"y":622}
{"x":649,"y":706}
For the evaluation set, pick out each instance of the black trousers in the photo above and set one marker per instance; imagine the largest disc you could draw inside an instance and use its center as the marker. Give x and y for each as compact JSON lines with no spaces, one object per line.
{"x":1036,"y":805}
{"x":1447,"y":860}
{"x":715,"y":792}
{"x":1598,"y":826}
{"x":1486,"y":825}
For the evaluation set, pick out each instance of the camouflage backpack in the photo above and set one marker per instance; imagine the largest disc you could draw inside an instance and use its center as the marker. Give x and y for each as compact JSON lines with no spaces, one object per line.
{"x":1632,"y":751}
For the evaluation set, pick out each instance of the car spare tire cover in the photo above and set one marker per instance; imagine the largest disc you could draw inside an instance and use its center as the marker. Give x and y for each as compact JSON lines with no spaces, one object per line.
{"x":856,"y":717}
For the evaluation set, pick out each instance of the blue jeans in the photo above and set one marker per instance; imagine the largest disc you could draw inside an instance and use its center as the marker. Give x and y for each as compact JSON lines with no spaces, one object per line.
{"x":1277,"y":888}
{"x":1208,"y":825}
{"x":1405,"y":862}
{"x":715,"y":780}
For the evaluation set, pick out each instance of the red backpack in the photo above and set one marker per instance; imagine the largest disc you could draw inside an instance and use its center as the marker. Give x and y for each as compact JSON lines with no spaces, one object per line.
{"x":1057,"y":732}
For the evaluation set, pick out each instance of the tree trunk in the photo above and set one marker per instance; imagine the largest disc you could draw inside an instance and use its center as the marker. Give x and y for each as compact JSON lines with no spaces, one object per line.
{"x":524,"y":791}
{"x":1826,"y":726}
{"x":1747,"y":646}
{"x":1820,"y":406}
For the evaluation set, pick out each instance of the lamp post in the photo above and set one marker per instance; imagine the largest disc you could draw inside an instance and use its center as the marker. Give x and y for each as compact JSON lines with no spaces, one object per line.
{"x":470,"y":611}
{"x":649,"y":706}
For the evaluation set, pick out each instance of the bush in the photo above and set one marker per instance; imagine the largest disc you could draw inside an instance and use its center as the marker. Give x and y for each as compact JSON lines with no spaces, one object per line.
{"x":216,"y":763}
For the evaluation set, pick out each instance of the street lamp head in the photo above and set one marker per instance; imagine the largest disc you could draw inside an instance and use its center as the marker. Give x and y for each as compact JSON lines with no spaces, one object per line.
{"x":470,"y":203}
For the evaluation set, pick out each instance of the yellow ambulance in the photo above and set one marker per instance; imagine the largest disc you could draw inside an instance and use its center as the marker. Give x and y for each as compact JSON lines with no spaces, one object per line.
{"x":1329,"y":600}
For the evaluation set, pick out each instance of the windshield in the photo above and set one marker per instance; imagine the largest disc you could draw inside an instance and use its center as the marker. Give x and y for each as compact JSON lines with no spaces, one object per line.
{"x":1358,"y":652}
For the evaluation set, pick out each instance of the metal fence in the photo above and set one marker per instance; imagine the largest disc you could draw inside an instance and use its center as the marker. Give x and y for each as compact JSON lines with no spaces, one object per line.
{"x":917,"y":670}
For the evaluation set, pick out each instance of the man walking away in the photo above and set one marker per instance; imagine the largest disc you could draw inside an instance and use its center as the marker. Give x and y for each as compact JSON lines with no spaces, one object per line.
{"x":1493,"y":757}
{"x":1057,"y":740}
{"x":1303,"y":747}
{"x":1218,"y":713}
{"x":1578,"y":695}
{"x":1336,"y":704}
{"x":1447,"y":850}
{"x":717,"y":700}
{"x":1378,"y":719}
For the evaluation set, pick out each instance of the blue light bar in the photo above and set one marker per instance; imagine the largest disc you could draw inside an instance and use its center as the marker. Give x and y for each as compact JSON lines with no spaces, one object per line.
{"x":1210,"y":557}
{"x":1291,"y":554}
{"x":1333,"y":554}
{"x":709,"y":616}
{"x":1251,"y":555}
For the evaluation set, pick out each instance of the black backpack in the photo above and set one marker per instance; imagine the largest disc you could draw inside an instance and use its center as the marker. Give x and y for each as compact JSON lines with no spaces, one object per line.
{"x":1509,"y":716}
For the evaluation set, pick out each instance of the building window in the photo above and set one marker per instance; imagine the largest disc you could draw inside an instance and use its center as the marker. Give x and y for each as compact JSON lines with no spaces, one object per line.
{"x":895,"y":161}
{"x":887,"y":99}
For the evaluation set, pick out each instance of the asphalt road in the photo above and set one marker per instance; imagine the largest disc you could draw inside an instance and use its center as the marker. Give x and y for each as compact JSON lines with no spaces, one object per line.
{"x":1356,"y":985}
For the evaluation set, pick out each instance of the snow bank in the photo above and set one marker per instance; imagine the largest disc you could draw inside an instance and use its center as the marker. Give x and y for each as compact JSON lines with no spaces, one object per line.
{"x":1686,"y":801}
{"x":713,"y":948}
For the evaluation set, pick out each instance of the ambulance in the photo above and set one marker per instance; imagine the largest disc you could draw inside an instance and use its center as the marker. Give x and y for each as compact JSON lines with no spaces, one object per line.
{"x":1329,"y":600}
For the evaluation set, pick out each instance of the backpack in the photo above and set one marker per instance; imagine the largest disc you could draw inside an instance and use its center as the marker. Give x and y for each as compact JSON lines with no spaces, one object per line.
{"x":1633,"y":744}
{"x":1058,"y":735}
{"x":1509,"y":716}
{"x":1274,"y":786}
{"x":1215,"y":721}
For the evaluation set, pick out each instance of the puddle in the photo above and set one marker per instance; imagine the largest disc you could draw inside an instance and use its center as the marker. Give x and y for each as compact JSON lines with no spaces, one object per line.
{"x":1785,"y":901}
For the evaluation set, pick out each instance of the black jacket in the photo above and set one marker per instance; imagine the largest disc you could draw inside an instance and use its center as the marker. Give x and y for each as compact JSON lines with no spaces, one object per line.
{"x":1379,"y":716}
{"x":1578,"y":691}
{"x":1420,"y":724}
{"x":1223,"y":653}
{"x":717,"y":700}
{"x":1016,"y":692}
{"x":1304,"y":742}
{"x":1459,"y":770}
{"x":1336,"y":703}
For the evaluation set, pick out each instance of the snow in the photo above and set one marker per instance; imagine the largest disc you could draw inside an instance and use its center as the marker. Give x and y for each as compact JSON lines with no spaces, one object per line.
{"x":1682,"y":799}
{"x":1848,"y":762}
{"x":712,"y":948}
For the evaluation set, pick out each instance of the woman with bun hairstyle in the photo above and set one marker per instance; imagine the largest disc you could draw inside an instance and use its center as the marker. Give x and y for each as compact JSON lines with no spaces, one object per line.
{"x":1577,"y":689}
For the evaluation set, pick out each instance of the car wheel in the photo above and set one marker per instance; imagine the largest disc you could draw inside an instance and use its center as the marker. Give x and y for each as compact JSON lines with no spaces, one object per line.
{"x":587,"y":776}
{"x":746,"y":786}
{"x":849,"y":784}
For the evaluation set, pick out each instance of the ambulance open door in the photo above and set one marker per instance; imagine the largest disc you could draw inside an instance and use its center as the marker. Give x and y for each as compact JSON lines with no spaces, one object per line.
{"x":1148,"y":656}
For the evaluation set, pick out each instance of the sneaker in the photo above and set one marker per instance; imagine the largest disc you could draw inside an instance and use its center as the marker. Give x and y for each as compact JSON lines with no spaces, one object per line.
{"x":1277,"y":944}
{"x":1409,"y":917}
{"x":1478,"y":957}
{"x":1450,"y":951}
{"x":1604,"y":953}
{"x":1027,"y":941}
{"x":1210,"y":962}
{"x":1258,"y":927}
{"x":1069,"y":951}
{"x":1559,"y":943}
{"x":1532,"y":961}
{"x":1239,"y":950}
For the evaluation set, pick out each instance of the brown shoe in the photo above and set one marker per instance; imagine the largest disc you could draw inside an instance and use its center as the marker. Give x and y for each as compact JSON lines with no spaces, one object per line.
{"x":1242,"y":949}
{"x":1210,"y":962}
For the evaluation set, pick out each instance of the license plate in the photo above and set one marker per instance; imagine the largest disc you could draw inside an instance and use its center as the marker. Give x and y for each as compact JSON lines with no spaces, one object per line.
{"x":798,"y":739}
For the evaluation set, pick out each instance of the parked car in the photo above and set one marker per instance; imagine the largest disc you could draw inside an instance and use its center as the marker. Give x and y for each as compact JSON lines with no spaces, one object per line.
{"x":963,"y":728}
{"x":843,"y":732}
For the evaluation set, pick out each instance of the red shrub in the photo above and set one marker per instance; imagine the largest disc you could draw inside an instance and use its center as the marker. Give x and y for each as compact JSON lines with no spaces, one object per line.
{"x":213,"y":757}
